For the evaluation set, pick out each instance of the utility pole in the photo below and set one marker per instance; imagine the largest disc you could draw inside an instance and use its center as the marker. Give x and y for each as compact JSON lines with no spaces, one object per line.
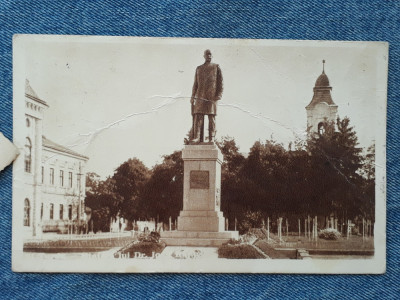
{"x":79,"y":193}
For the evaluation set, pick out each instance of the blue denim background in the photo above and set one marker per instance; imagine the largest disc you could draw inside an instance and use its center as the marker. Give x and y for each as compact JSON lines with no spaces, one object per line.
{"x":311,"y":20}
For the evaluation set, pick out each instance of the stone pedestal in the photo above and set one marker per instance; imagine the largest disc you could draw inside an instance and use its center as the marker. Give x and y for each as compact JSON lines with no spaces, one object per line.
{"x":201,"y":223}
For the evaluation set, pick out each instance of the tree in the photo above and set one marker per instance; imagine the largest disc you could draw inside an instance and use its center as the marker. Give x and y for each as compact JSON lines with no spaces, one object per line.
{"x":163,"y":193}
{"x":368,"y":173}
{"x":102,"y":200}
{"x":233,"y":159}
{"x":129,"y":179}
{"x":232,"y":190}
{"x":266,"y":171}
{"x":92,"y":182}
{"x":335,"y":161}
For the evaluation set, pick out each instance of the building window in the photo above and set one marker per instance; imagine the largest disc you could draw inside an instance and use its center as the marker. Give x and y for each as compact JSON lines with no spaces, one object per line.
{"x":28,"y":123}
{"x":61,"y":178}
{"x":28,"y":155}
{"x":27,"y":211}
{"x":61,"y":212}
{"x":42,"y":174}
{"x":69,"y":212}
{"x":51,"y":176}
{"x":41,"y":211}
{"x":70,"y":179}
{"x":51,"y":211}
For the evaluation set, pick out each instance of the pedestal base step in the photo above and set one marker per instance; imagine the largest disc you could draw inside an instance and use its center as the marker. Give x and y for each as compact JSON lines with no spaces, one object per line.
{"x":192,"y":238}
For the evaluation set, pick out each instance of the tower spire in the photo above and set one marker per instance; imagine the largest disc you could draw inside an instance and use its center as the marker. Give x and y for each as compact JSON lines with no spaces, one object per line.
{"x":323,"y":66}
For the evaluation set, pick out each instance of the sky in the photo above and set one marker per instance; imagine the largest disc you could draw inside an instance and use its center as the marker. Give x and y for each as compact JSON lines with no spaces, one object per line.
{"x":115,"y":98}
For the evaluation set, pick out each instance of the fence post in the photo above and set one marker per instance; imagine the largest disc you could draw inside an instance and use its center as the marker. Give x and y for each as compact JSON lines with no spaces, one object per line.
{"x":235,"y":223}
{"x":299,"y":228}
{"x":287,"y":227}
{"x":363,"y":228}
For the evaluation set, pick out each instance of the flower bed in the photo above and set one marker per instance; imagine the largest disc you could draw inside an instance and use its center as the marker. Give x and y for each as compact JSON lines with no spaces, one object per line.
{"x":239,"y":252}
{"x":146,"y":246}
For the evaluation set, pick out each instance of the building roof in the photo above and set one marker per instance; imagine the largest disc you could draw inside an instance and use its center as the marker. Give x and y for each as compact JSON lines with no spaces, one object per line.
{"x":52,"y":145}
{"x":322,"y":91}
{"x":31,"y":94}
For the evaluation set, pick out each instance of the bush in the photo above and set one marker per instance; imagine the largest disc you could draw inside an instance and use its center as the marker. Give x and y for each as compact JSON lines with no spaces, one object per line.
{"x":238,"y":252}
{"x":355,"y":231}
{"x":329,"y":234}
{"x":233,"y":242}
{"x":153,"y":237}
{"x":251,"y":219}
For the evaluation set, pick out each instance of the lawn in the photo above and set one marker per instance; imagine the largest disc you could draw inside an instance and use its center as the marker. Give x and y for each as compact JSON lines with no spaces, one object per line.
{"x":353,"y":243}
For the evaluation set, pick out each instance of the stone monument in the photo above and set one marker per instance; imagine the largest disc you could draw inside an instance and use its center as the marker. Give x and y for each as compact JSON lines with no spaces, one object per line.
{"x":201,"y":222}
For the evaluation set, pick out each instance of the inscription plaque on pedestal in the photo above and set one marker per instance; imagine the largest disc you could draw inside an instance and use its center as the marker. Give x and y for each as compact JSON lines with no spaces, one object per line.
{"x":199,"y":179}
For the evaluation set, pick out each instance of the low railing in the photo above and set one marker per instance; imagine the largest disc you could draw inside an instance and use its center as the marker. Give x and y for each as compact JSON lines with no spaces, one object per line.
{"x":90,"y":236}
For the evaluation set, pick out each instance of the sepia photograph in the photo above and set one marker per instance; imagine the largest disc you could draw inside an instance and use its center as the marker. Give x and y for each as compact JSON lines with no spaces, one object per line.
{"x":199,"y":155}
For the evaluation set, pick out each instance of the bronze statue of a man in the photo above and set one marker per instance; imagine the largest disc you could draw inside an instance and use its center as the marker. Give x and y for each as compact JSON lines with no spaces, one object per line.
{"x":207,"y":90}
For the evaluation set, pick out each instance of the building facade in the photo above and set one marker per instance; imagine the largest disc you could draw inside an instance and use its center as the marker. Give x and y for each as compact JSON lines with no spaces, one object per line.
{"x":321,"y":109}
{"x":54,"y":176}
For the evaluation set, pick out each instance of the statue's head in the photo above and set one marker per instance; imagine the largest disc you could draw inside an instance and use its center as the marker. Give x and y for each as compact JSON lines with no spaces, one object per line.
{"x":207,"y":55}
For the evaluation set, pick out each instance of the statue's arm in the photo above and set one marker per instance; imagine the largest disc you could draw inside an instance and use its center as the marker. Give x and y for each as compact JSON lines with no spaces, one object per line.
{"x":220,"y":86}
{"x":195,"y":86}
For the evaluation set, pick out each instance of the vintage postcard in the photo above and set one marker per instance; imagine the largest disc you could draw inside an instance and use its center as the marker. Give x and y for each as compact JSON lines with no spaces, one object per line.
{"x":199,"y":155}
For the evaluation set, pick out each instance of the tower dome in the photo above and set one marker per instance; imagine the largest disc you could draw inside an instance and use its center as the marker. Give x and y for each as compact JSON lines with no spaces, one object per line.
{"x":322,"y":81}
{"x":322,"y":90}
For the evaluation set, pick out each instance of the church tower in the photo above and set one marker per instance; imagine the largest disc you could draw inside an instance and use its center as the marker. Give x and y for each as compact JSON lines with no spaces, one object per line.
{"x":321,"y":108}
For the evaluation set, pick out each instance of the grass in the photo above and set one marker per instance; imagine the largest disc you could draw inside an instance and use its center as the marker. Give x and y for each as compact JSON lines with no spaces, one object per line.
{"x":269,"y":250}
{"x":54,"y":246}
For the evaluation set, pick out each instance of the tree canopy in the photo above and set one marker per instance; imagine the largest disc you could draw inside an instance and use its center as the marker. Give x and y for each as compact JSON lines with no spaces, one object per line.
{"x":328,"y":174}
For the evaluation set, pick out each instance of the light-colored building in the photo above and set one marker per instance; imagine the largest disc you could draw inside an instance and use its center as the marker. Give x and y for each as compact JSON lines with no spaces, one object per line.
{"x":321,"y":109}
{"x":54,"y":176}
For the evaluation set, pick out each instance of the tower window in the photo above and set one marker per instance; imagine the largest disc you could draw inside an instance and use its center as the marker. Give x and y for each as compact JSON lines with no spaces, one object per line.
{"x":28,"y":123}
{"x":27,"y":212}
{"x":321,"y":128}
{"x":28,"y":155}
{"x":78,"y":180}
